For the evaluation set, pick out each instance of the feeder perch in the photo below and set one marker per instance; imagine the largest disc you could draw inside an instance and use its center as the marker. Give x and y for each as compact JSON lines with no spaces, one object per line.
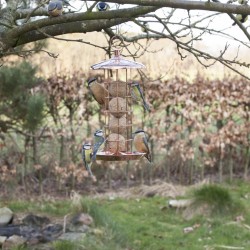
{"x":118,"y":112}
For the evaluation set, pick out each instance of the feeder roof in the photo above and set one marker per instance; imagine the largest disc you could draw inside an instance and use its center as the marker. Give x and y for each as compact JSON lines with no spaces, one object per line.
{"x":118,"y":62}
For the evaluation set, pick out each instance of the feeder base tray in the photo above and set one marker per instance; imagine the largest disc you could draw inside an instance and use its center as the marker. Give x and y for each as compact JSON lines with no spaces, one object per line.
{"x":120,"y":156}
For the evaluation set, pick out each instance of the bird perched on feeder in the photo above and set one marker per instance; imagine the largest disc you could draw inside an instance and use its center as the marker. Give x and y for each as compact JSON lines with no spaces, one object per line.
{"x":102,"y":6}
{"x":141,"y":143}
{"x":86,"y":157}
{"x":55,"y":8}
{"x":99,"y":143}
{"x":98,"y":91}
{"x":138,"y":96}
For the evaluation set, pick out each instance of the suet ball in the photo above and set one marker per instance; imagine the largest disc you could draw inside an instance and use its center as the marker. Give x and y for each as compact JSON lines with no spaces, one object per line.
{"x":118,"y":89}
{"x":114,"y":122}
{"x":117,"y":107}
{"x":115,"y":143}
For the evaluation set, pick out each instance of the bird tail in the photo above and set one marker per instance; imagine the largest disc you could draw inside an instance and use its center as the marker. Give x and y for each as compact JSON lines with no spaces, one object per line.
{"x":88,"y":168}
{"x":146,"y":106}
{"x":93,"y":157}
{"x":149,"y":157}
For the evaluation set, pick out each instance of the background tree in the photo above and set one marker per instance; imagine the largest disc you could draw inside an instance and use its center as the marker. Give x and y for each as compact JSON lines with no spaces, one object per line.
{"x":21,"y":109}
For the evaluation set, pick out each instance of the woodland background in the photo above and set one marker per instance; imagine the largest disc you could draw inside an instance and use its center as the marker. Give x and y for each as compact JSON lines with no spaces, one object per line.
{"x":199,"y":126}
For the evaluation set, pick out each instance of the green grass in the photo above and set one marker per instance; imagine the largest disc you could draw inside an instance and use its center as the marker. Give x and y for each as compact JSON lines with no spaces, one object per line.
{"x":149,"y":224}
{"x":218,"y":200}
{"x":52,"y":208}
{"x":66,"y":245}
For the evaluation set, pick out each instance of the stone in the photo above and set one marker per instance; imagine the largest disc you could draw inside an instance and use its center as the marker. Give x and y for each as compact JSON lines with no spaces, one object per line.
{"x":2,"y":239}
{"x":52,"y":231}
{"x":35,"y":220}
{"x":10,"y":230}
{"x":72,"y":236}
{"x":78,"y":228}
{"x":14,"y":241}
{"x":6,"y":216}
{"x":82,"y":219}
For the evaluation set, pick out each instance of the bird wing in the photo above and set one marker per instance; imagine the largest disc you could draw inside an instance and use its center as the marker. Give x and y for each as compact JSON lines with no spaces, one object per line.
{"x":97,"y":146}
{"x":52,"y":6}
{"x":87,"y":163}
{"x":145,"y":143}
{"x":148,"y":154}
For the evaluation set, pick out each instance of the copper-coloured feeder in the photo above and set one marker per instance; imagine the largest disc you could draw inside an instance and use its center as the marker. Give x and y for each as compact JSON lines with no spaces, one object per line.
{"x":118,"y":149}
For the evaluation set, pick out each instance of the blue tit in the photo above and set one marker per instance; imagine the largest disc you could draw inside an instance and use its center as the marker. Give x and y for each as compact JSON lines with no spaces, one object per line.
{"x":137,"y":95}
{"x":241,"y":18}
{"x":55,"y":8}
{"x":86,"y":157}
{"x":99,"y":92}
{"x":141,"y":143}
{"x":99,"y":143}
{"x":102,"y":6}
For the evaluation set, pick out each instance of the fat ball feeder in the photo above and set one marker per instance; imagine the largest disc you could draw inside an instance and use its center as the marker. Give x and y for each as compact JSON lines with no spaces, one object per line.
{"x":118,"y":111}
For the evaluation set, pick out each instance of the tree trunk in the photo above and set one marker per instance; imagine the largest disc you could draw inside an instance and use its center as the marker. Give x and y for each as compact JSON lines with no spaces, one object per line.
{"x":191,"y":171}
{"x":220,"y":166}
{"x":167,"y":170}
{"x":35,"y":162}
{"x":247,"y":163}
{"x":230,"y":165}
{"x":26,"y":162}
{"x":127,"y":174}
{"x":62,"y":149}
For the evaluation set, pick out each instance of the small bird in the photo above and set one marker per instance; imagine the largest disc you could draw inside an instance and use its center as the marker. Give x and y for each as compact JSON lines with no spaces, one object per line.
{"x":86,"y":157}
{"x":99,"y":93}
{"x":102,"y":6}
{"x":241,"y":18}
{"x":141,"y":143}
{"x":55,"y":8}
{"x":242,"y":1}
{"x":99,"y":143}
{"x":137,"y":95}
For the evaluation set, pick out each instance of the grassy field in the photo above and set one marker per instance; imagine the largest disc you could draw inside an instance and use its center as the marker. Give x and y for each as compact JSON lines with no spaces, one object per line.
{"x":219,"y":219}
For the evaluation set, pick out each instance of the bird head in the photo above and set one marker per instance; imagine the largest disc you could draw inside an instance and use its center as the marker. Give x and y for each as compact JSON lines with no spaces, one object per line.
{"x":134,"y":84}
{"x":102,"y":6}
{"x":138,"y":131}
{"x":99,"y":133}
{"x":52,"y":6}
{"x":86,"y":146}
{"x":91,"y":80}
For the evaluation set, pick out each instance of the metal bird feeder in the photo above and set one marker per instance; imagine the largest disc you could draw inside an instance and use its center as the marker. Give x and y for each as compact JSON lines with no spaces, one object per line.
{"x":118,"y":110}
